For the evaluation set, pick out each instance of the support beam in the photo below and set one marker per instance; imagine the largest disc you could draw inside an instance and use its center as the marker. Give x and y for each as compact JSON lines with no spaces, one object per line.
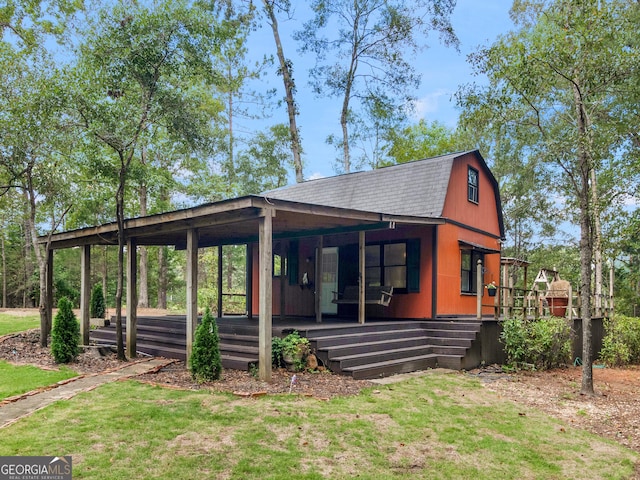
{"x":192,"y":289}
{"x":132,"y":297}
{"x":249,"y":280}
{"x":220,"y":282}
{"x":361,"y":271}
{"x":265,"y":294}
{"x":479,"y":287}
{"x":318,"y":280}
{"x":85,"y":293}
{"x":283,"y":279}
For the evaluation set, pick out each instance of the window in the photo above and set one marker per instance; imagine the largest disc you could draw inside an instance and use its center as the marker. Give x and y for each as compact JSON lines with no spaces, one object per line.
{"x":469,"y":270}
{"x":386,"y":264}
{"x":279,"y":265}
{"x":472,"y":185}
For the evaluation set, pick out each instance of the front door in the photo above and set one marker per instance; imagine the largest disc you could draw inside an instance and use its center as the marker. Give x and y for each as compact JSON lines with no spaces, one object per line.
{"x":329,"y":280}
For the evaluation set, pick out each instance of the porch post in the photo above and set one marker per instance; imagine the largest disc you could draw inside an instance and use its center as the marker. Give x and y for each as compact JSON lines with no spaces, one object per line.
{"x":362,"y":283}
{"x":220,"y":283}
{"x":192,"y":289}
{"x":132,"y":297}
{"x":318,"y":303}
{"x":85,"y":293}
{"x":249,"y":280}
{"x":479,"y":287}
{"x":265,"y":238}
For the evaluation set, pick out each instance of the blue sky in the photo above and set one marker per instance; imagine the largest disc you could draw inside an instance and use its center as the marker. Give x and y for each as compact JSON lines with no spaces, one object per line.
{"x":443,"y":69}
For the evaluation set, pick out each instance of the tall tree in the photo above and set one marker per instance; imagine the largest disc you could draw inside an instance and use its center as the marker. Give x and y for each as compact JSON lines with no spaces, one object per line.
{"x":422,"y":140}
{"x":285,"y":70}
{"x":131,"y":75}
{"x":369,"y":59}
{"x":552,"y":87}
{"x":31,"y":154}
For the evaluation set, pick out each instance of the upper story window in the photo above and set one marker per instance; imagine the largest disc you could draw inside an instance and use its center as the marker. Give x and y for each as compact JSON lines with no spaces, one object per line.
{"x":472,"y":185}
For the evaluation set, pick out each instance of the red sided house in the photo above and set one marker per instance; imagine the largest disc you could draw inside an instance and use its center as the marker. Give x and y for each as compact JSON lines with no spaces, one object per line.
{"x":394,"y":249}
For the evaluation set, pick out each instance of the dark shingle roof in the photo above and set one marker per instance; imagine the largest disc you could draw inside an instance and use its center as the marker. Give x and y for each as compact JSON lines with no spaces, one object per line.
{"x":414,"y":189}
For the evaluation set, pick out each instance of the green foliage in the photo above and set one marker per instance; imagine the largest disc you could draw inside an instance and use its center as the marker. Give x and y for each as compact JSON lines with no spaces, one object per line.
{"x":205,"y":362}
{"x":621,"y":344}
{"x":293,"y":348}
{"x":65,"y":335}
{"x":543,"y":343}
{"x":97,"y":307}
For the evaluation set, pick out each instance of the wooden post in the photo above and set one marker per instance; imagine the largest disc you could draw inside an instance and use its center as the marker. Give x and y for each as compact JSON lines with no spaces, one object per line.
{"x":318,"y":303}
{"x":132,"y":297}
{"x":611,"y":309}
{"x":570,"y":304}
{"x":361,"y":276}
{"x":220,"y":282}
{"x":85,"y":293}
{"x":49,"y":305}
{"x":479,"y":290}
{"x":249,"y":280}
{"x":192,"y":289}
{"x":283,"y":281}
{"x":265,"y":238}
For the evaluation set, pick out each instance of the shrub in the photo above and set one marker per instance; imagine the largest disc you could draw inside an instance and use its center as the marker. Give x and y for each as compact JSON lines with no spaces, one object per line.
{"x":205,"y":362}
{"x":621,"y":343}
{"x":97,"y":307}
{"x":65,"y":334}
{"x":543,"y":343}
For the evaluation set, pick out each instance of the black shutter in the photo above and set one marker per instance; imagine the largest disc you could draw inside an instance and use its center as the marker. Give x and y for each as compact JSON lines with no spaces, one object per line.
{"x":293,"y":262}
{"x":413,"y":265}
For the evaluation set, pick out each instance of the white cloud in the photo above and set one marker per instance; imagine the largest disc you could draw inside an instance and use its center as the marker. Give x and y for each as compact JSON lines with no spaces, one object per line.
{"x":315,"y":176}
{"x":431,"y":103}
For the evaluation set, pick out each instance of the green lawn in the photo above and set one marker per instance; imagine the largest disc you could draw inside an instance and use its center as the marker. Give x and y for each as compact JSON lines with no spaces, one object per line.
{"x":443,"y":426}
{"x":11,"y":324}
{"x":21,"y":379}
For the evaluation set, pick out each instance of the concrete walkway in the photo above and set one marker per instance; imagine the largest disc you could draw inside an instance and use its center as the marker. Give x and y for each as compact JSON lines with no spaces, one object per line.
{"x":13,"y":410}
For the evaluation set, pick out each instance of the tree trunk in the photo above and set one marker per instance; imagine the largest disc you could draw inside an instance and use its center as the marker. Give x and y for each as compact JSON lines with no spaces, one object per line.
{"x":585,"y":166}
{"x":42,"y":255}
{"x":289,"y":88}
{"x":120,"y":281}
{"x":162,"y":278}
{"x":597,"y":245}
{"x":4,"y":270}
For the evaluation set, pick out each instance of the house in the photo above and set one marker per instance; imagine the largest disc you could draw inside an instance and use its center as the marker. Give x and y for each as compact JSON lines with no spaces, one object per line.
{"x":447,"y":216}
{"x":423,"y":228}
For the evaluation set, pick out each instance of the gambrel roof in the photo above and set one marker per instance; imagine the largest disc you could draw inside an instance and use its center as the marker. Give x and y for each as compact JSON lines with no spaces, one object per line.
{"x":415,"y":188}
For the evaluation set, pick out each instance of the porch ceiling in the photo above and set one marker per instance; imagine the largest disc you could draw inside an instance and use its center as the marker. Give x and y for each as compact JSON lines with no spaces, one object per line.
{"x":235,"y":221}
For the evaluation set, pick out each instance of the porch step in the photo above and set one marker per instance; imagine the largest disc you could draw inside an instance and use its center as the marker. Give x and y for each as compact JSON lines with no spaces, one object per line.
{"x":392,"y":367}
{"x":350,"y":338}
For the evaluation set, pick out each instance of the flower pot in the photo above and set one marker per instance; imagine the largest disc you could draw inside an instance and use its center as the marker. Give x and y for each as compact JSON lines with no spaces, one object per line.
{"x":492,"y":291}
{"x":558,"y":306}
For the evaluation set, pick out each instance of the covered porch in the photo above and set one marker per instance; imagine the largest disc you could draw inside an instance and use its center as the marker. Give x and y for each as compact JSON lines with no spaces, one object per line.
{"x":247,"y":220}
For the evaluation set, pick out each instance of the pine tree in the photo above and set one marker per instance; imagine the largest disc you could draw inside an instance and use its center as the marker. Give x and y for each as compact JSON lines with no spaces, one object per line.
{"x":65,"y":335}
{"x":205,"y":361}
{"x":97,"y":306}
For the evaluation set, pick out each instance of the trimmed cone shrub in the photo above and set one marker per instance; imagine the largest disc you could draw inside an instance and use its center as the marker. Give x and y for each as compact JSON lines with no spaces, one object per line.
{"x":65,"y":335}
{"x":205,"y":362}
{"x":97,"y":307}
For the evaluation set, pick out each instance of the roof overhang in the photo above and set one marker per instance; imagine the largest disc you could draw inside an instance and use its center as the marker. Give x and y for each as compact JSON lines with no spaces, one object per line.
{"x":477,"y":247}
{"x":234,"y":221}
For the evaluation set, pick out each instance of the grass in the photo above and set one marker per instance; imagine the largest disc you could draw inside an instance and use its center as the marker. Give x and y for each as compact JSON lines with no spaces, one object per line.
{"x":15,"y":380}
{"x":436,"y":426}
{"x":12,"y":324}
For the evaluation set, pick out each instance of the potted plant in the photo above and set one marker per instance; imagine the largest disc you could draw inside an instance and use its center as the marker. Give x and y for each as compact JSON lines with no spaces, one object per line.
{"x":491,"y":289}
{"x":558,"y":297}
{"x":292,"y":350}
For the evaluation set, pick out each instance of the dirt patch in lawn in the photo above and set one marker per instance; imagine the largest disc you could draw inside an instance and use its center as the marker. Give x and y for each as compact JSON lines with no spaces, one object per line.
{"x":613,"y":412}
